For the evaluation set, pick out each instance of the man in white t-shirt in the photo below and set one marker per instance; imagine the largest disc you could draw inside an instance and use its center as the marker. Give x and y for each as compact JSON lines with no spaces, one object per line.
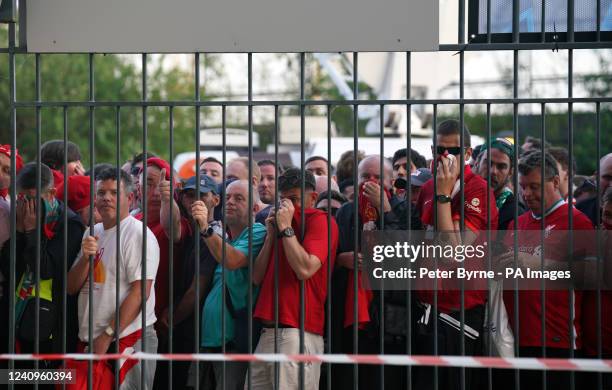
{"x":101,"y":248}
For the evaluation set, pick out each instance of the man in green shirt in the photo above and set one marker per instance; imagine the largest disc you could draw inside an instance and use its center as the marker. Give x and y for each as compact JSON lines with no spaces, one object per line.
{"x":236,"y":260}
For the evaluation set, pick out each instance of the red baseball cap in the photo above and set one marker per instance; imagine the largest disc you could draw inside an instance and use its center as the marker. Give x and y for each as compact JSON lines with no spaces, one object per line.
{"x":159,"y":163}
{"x":78,"y":192}
{"x":6,"y":150}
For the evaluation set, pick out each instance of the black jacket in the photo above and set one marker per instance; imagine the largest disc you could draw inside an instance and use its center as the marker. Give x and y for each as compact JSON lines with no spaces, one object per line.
{"x":590,"y":209}
{"x":506,"y":213}
{"x":396,"y":219}
{"x":51,"y":267}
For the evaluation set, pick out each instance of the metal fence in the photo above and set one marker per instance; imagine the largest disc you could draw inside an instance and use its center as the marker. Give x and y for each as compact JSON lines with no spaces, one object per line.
{"x":486,"y":42}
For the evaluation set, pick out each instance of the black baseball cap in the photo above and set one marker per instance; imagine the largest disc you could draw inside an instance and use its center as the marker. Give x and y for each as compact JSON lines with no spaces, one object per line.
{"x":207,"y":184}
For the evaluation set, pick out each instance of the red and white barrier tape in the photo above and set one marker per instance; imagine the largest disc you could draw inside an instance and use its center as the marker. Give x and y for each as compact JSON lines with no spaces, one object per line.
{"x":544,"y":364}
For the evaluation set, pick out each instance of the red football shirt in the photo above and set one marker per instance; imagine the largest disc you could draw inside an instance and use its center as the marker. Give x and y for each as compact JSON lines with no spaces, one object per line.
{"x":475,"y":191}
{"x":557,"y":302}
{"x":161,"y":279}
{"x":315,"y":289}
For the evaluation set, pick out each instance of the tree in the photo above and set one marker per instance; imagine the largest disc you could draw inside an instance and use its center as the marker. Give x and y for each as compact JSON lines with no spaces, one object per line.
{"x":65,"y":77}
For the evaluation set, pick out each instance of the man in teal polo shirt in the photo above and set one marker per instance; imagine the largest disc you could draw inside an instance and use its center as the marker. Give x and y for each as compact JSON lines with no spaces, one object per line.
{"x":237,"y":218}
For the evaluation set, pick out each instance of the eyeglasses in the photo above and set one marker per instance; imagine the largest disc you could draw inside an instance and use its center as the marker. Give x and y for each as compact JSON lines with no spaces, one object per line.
{"x":454,"y":150}
{"x":135,"y":171}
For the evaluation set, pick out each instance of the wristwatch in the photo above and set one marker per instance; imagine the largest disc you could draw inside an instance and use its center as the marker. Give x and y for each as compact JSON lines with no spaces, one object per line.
{"x":288,"y":232}
{"x":109,"y":331}
{"x":208,"y":232}
{"x":443,"y":198}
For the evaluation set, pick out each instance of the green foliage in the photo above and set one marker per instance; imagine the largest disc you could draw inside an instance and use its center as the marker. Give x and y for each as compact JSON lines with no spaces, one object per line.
{"x":556,"y":132}
{"x":117,"y":79}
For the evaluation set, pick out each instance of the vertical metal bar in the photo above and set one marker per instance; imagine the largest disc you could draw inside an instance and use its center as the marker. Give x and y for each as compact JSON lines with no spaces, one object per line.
{"x":543,"y":22}
{"x":38,"y":215}
{"x":542,"y":236}
{"x":223,"y":250}
{"x":143,"y":285}
{"x":408,"y":201}
{"x":570,"y":148}
{"x":461,"y":32}
{"x":65,"y":245}
{"x":276,"y":249}
{"x":302,"y":214}
{"x":171,"y":249}
{"x":381,"y":334}
{"x":516,"y":185}
{"x":91,"y":212}
{"x":598,"y":21}
{"x":250,"y":225}
{"x":196,"y":233}
{"x":117,"y":236}
{"x":599,"y":243}
{"x":488,"y":21}
{"x":356,"y":220}
{"x":516,"y":9}
{"x":435,"y":213}
{"x":434,"y":125}
{"x":329,"y":253}
{"x":12,"y":190}
{"x":570,"y":24}
{"x":488,"y":323}
{"x":462,"y":196}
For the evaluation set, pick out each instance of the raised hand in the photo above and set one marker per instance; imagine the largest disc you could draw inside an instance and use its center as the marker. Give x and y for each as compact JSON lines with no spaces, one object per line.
{"x":164,"y":187}
{"x":29,"y":216}
{"x":199,"y":212}
{"x":89,"y":246}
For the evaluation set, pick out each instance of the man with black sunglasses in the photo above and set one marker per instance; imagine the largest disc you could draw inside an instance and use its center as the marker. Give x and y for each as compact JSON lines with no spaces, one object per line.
{"x":440,"y":207}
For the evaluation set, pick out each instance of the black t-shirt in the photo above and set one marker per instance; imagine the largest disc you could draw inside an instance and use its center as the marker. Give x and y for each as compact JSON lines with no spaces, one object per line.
{"x":590,"y":209}
{"x":261,"y":216}
{"x":207,"y":265}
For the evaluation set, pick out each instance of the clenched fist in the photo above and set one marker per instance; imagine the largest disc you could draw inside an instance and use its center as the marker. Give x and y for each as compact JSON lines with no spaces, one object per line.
{"x":90,"y":246}
{"x":284,"y":214}
{"x":199,"y":212}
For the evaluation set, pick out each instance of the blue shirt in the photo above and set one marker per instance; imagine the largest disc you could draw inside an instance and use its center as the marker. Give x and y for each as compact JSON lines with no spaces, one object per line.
{"x":237,"y":283}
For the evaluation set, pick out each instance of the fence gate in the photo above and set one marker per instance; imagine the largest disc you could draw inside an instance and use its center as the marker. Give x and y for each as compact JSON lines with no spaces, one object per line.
{"x":527,"y":31}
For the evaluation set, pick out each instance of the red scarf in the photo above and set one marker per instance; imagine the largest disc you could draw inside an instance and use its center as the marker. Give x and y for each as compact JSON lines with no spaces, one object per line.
{"x":52,"y":217}
{"x":125,"y":342}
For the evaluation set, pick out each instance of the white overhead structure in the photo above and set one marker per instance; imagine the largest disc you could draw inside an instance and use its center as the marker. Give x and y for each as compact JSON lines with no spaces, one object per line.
{"x":185,"y":26}
{"x":379,"y":70}
{"x":236,"y":138}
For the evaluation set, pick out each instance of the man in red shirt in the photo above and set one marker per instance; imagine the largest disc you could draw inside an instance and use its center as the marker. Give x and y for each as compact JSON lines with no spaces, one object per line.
{"x":299,"y":260}
{"x":560,"y":338}
{"x":447,"y":200}
{"x":158,"y":202}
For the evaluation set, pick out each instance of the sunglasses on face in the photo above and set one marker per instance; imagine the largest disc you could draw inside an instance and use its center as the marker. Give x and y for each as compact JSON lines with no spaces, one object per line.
{"x":135,"y":171}
{"x":454,"y":150}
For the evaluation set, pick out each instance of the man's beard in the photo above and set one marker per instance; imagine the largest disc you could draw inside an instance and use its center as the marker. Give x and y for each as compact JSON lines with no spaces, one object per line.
{"x":497,"y":186}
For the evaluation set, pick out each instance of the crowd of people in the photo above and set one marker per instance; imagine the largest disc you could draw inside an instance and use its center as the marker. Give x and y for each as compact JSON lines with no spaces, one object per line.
{"x":195,"y":253}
